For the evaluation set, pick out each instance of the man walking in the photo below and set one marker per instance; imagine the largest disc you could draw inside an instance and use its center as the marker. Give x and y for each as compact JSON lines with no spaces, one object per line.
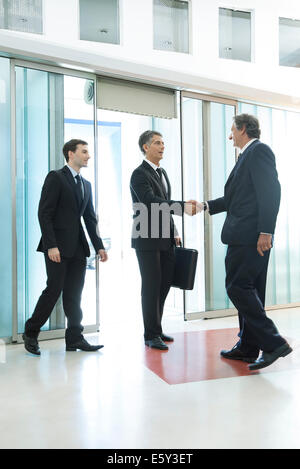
{"x":66,"y":197}
{"x":251,"y":200}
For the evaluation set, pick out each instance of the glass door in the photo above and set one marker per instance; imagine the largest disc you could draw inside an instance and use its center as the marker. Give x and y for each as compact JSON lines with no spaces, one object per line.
{"x":208,"y":157}
{"x":119,"y":155}
{"x":50,"y":108}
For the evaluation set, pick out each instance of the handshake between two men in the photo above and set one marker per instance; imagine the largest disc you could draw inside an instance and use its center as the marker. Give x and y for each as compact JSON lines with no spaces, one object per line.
{"x":192,"y":207}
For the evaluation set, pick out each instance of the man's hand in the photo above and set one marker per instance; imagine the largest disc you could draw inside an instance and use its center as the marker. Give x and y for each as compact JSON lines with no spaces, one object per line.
{"x":191,"y":207}
{"x":177,"y":240}
{"x":54,"y":255}
{"x":103,"y":255}
{"x":199,"y":207}
{"x":264,"y":243}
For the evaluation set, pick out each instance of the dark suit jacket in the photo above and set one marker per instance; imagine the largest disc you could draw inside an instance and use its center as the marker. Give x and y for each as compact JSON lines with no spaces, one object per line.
{"x":60,"y":215}
{"x":251,"y":197}
{"x":146,"y":189}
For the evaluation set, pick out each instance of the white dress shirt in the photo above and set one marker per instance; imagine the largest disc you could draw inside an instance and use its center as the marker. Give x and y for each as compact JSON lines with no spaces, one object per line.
{"x":247,"y":145}
{"x":74,"y":174}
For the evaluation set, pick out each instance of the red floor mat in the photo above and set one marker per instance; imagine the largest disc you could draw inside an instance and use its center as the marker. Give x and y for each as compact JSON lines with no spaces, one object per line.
{"x":195,"y":356}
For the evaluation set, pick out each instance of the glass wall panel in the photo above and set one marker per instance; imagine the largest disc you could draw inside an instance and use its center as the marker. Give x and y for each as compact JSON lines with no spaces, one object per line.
{"x":171,"y":25}
{"x":289,"y":40}
{"x":208,"y":158}
{"x":32,"y":147}
{"x":221,"y":162}
{"x":119,"y":155}
{"x":99,"y":21}
{"x":234,"y":34}
{"x":193,"y":188}
{"x":22,"y":15}
{"x":5,"y":203}
{"x":279,"y":130}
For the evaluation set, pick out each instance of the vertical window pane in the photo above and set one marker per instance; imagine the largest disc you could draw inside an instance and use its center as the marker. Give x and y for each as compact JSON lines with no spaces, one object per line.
{"x":22,"y":15}
{"x":99,"y":21}
{"x":206,"y":147}
{"x":192,"y":137}
{"x":5,"y":204}
{"x":171,"y":25}
{"x":32,"y":129}
{"x":234,"y":34}
{"x":222,"y":156}
{"x":289,"y":40}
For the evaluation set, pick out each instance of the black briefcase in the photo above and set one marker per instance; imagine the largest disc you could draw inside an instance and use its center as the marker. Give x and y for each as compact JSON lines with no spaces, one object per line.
{"x":185,"y":268}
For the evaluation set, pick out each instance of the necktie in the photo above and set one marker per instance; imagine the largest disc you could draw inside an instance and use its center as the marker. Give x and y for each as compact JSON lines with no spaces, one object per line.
{"x":79,"y":189}
{"x":159,"y":172}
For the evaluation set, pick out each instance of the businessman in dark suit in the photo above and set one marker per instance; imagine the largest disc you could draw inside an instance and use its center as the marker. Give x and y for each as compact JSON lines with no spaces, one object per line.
{"x":66,"y":197}
{"x":154,"y":234}
{"x":251,"y":202}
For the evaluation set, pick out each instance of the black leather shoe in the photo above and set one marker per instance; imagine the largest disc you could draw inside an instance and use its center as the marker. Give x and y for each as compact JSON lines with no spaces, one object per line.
{"x":267,"y":358}
{"x":236,"y":354}
{"x":156,"y":343}
{"x":82,"y":344}
{"x":166,"y":338}
{"x":31,"y":345}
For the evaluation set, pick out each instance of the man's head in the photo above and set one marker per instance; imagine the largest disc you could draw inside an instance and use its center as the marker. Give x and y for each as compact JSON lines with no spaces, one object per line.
{"x":152,"y":145}
{"x":76,"y":153}
{"x":244,"y":128}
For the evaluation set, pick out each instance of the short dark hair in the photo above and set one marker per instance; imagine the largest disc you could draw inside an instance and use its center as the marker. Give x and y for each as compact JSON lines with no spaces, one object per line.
{"x":71,"y":145}
{"x":251,"y":124}
{"x":146,"y":138}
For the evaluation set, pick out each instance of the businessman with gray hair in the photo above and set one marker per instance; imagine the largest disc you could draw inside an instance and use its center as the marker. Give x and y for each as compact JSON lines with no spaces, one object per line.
{"x":154,"y":234}
{"x":251,"y":202}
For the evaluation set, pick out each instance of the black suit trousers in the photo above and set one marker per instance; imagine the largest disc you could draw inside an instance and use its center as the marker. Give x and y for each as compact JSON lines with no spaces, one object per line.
{"x":157,"y":270}
{"x":246,"y":273}
{"x":66,"y":277}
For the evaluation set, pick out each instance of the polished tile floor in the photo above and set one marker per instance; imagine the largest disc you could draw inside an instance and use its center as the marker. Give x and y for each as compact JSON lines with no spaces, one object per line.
{"x":127,"y":396}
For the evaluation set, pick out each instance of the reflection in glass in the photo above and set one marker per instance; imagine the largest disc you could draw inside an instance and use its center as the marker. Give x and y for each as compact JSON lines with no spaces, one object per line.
{"x":234,"y":34}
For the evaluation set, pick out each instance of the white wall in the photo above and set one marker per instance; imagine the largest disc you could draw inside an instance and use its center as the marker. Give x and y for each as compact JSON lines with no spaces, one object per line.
{"x":202,"y":70}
